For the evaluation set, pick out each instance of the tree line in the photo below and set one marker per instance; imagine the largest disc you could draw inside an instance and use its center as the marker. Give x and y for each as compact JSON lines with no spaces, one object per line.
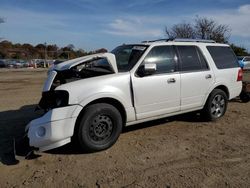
{"x":204,"y":28}
{"x":8,"y":50}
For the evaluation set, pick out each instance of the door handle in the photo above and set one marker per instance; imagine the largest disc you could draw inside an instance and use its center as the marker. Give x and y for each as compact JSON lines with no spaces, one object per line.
{"x":171,"y":80}
{"x":208,"y":76}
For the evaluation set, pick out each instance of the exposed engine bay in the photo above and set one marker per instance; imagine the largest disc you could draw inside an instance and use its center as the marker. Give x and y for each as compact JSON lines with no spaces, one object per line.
{"x":92,"y":68}
{"x":55,"y":98}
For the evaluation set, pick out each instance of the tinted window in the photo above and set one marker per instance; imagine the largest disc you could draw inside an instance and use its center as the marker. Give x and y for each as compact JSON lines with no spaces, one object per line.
{"x":163,"y":57}
{"x":223,"y":57}
{"x":191,"y":59}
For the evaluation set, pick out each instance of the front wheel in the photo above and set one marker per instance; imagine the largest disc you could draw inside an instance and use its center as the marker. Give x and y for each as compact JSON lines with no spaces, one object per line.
{"x":99,"y":127}
{"x":215,"y":106}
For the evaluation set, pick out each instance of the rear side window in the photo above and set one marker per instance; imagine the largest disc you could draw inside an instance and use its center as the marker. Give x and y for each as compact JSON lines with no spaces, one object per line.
{"x":223,"y":57}
{"x":191,"y":59}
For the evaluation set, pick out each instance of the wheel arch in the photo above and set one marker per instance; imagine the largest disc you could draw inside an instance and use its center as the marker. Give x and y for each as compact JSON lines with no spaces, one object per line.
{"x":114,"y":102}
{"x":108,"y":100}
{"x":221,"y":87}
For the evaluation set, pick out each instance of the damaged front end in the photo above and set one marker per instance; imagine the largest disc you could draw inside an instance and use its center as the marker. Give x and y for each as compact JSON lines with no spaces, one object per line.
{"x":73,"y":70}
{"x":53,"y":99}
{"x":56,"y":127}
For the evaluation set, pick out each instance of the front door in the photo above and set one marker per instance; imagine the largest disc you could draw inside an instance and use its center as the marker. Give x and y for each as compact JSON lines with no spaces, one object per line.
{"x":158,"y":93}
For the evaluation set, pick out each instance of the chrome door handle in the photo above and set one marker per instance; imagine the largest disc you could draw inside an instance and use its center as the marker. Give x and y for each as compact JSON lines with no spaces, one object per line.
{"x":171,"y":80}
{"x":208,"y":76}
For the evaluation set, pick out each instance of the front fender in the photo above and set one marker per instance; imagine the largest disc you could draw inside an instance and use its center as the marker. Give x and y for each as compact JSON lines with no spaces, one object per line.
{"x":129,"y":109}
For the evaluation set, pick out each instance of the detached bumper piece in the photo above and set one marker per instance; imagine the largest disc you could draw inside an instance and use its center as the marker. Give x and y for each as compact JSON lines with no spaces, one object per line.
{"x":54,"y":129}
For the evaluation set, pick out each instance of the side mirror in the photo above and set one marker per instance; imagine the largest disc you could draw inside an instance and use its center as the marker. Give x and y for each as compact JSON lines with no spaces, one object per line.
{"x":150,"y":68}
{"x":147,"y":69}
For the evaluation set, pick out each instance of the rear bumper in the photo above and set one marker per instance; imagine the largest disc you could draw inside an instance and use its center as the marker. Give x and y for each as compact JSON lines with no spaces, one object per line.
{"x":53,"y":129}
{"x":235,"y":91}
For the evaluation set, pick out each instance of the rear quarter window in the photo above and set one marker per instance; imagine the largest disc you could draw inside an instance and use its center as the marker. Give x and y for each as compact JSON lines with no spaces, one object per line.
{"x":223,"y":57}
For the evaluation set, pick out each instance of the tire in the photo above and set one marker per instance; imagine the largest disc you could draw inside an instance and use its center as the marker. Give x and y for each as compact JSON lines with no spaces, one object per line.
{"x":99,"y":128}
{"x":215,"y":106}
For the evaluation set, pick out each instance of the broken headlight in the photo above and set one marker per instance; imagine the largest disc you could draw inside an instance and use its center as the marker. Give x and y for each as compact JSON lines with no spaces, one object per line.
{"x":54,"y":99}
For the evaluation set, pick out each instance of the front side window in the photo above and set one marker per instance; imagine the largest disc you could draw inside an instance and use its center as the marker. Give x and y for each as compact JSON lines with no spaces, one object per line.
{"x":223,"y":57}
{"x":128,"y":55}
{"x":191,"y":58}
{"x":163,"y":57}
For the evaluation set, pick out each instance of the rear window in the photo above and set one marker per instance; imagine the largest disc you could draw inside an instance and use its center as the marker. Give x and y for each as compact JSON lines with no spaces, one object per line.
{"x":223,"y":57}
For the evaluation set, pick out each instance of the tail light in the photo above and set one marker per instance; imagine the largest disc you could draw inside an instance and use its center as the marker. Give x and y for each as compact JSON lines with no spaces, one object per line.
{"x":240,"y":75}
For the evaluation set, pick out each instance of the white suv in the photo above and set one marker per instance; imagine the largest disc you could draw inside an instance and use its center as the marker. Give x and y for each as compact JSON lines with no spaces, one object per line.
{"x":90,"y":99}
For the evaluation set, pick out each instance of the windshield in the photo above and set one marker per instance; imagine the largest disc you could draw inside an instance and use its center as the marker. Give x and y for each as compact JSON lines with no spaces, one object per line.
{"x":128,"y":55}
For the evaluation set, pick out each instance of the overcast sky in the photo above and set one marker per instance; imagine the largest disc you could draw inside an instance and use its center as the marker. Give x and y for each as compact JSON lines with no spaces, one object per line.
{"x":92,"y":24}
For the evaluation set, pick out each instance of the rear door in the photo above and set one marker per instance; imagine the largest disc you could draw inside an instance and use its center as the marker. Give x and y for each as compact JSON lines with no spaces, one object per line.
{"x":159,"y":93}
{"x":196,"y":77}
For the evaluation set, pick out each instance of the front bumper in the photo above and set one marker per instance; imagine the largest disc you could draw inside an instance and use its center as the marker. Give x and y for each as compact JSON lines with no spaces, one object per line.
{"x":53,"y":129}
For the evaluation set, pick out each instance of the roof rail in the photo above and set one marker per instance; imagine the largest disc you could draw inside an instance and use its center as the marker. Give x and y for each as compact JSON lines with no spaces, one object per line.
{"x":193,"y":40}
{"x":158,"y":40}
{"x":180,"y":40}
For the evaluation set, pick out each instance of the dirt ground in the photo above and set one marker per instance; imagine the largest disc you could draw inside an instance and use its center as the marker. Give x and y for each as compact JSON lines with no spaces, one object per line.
{"x":181,"y":151}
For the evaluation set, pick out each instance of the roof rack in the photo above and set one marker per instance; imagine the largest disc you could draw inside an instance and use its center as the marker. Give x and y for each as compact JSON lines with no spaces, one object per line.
{"x":180,"y":40}
{"x":158,"y":40}
{"x":193,"y":40}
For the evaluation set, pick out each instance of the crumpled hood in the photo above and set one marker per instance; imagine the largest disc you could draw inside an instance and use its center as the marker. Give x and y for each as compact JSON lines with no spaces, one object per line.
{"x":74,"y":62}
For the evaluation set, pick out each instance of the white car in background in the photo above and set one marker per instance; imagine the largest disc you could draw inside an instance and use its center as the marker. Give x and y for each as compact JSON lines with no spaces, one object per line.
{"x":90,"y":99}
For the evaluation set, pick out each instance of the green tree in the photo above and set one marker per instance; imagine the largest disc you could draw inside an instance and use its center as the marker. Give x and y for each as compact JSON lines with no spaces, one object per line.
{"x":70,"y":47}
{"x":239,"y":51}
{"x":101,"y":50}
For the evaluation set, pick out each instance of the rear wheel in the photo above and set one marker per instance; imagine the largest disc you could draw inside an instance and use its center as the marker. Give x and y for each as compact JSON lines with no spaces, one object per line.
{"x":99,"y":127}
{"x":215,"y":106}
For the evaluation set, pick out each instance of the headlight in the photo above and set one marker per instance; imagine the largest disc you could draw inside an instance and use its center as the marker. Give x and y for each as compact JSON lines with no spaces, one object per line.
{"x":54,"y":99}
{"x":61,"y":98}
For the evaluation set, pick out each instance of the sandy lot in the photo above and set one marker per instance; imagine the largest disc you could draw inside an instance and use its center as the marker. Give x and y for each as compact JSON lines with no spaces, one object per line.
{"x":181,"y":151}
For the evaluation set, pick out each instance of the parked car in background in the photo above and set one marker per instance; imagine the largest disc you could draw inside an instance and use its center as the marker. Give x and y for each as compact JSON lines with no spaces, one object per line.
{"x":244,"y":62}
{"x":13,"y":63}
{"x":2,"y":63}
